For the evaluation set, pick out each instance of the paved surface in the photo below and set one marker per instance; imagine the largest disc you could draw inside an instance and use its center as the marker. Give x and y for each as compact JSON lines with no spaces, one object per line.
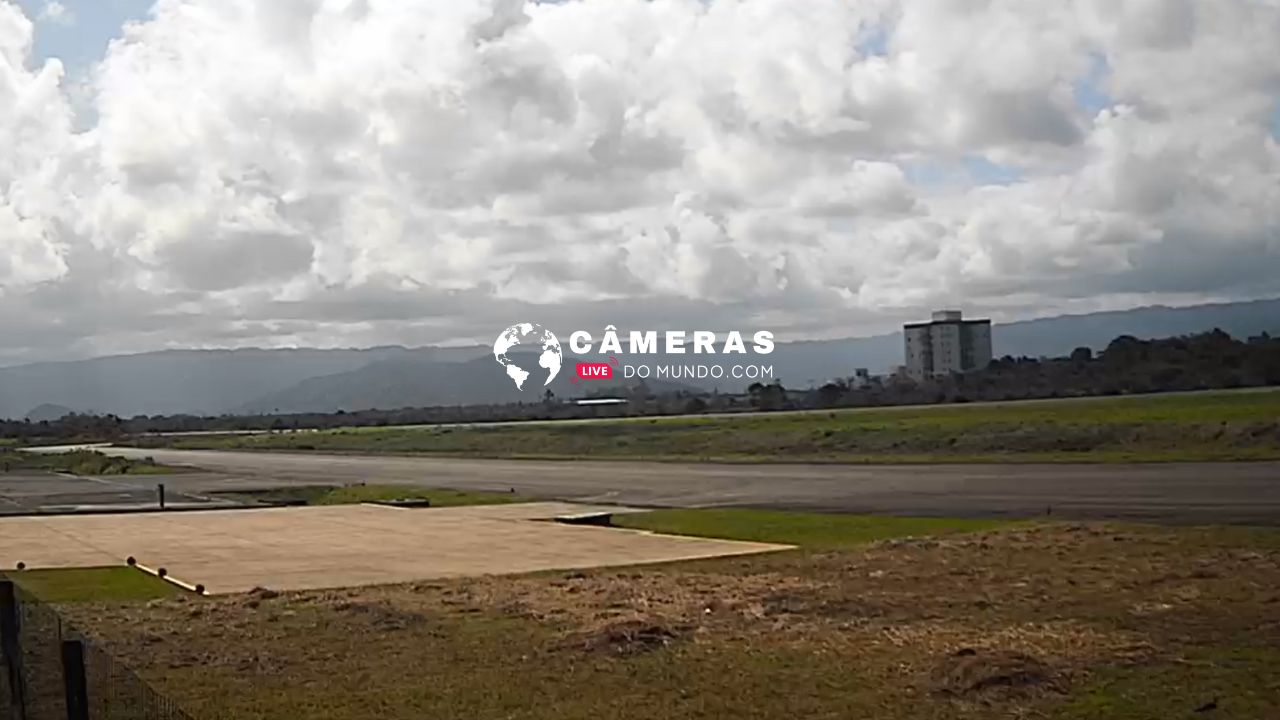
{"x":59,"y":493}
{"x":1214,"y":492}
{"x":324,"y":547}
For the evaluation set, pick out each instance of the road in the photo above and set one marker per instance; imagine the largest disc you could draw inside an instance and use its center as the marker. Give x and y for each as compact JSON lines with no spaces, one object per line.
{"x":1223,"y":492}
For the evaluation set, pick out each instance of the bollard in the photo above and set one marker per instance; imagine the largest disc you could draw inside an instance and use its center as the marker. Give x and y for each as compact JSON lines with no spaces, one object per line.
{"x":160,"y":492}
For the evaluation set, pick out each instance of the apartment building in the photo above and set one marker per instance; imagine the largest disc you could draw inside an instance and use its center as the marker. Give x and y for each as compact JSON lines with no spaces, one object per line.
{"x":946,"y":344}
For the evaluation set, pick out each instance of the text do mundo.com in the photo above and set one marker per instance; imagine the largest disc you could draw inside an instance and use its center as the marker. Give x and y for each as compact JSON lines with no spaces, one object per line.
{"x":698,"y":372}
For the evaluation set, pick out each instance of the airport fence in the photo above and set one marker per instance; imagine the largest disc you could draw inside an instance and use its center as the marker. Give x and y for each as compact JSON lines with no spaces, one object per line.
{"x":52,"y":671}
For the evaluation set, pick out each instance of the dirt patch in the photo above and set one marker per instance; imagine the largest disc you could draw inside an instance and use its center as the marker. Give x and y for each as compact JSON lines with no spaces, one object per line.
{"x":256,"y":597}
{"x":586,"y":599}
{"x":261,"y":593}
{"x":817,"y":604}
{"x":970,"y":671}
{"x":381,"y":617}
{"x":626,"y":638}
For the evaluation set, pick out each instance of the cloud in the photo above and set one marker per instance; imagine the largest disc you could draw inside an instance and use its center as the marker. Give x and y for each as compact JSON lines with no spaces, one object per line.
{"x":57,"y":13}
{"x":418,"y":169}
{"x":34,"y":132}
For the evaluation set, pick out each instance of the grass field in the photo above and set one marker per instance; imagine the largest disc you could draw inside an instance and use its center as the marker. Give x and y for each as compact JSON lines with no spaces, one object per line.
{"x":355,"y":494}
{"x":105,"y":584}
{"x":1228,"y":425}
{"x":82,"y":462}
{"x":809,"y":530}
{"x":1044,"y":620}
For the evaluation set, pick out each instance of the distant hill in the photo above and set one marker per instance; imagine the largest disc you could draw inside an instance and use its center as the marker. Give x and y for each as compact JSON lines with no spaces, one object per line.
{"x":48,"y":413}
{"x":1058,"y":336}
{"x":171,"y":382}
{"x":308,"y":380}
{"x":417,"y":379}
{"x":1042,"y":337}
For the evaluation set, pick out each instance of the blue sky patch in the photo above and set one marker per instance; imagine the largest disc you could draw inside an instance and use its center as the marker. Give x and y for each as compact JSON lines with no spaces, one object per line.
{"x":928,"y":173}
{"x":985,"y":172}
{"x":971,"y":170}
{"x":81,"y":40}
{"x":1090,"y":90}
{"x":874,"y":41}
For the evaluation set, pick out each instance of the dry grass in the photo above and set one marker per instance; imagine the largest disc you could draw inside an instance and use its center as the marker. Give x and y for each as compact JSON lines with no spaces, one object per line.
{"x":1030,"y":621}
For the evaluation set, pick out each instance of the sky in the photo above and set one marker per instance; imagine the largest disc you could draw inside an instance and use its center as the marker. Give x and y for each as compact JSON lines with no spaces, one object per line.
{"x":77,"y":32}
{"x":219,"y":173}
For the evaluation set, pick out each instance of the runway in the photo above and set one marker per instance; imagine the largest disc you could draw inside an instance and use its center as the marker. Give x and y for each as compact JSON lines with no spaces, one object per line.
{"x":1205,"y":492}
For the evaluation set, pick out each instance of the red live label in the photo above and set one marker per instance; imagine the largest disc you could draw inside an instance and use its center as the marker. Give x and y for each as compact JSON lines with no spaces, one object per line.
{"x":595,"y":371}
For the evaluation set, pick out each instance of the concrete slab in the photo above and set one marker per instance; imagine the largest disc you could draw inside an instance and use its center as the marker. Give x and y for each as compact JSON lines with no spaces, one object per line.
{"x":306,"y":548}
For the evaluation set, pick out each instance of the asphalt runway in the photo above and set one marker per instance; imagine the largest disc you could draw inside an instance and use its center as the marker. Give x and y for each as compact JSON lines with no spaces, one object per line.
{"x":1208,"y":492}
{"x":22,"y":493}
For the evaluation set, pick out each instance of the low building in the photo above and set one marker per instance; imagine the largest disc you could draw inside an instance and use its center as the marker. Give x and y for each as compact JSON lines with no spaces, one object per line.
{"x":946,"y":344}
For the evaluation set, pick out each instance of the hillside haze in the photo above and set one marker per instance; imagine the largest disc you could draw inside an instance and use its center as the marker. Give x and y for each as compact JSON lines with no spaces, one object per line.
{"x":256,"y":381}
{"x":170,"y":382}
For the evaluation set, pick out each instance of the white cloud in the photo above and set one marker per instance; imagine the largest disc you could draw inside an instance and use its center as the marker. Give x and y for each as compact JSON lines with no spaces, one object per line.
{"x":739,"y":158}
{"x":57,"y":13}
{"x":34,"y":135}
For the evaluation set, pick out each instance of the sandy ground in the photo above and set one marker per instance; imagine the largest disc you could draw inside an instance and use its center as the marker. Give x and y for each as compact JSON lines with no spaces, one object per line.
{"x":231,"y":551}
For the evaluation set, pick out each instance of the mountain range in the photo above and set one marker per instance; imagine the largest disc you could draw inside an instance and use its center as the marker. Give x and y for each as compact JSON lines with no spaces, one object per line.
{"x":255,"y":381}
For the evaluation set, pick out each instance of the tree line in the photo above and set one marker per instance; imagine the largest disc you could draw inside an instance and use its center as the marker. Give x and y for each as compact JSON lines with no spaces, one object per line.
{"x":1128,"y":365}
{"x":1206,"y":361}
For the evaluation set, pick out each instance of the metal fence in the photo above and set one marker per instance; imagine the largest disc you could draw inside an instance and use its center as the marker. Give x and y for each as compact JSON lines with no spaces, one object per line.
{"x":6,"y":698}
{"x":52,"y":671}
{"x":117,"y":693}
{"x":41,"y":691}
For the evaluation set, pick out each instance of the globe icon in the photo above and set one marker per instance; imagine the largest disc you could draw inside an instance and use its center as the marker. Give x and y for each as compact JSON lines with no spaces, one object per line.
{"x":533,"y":337}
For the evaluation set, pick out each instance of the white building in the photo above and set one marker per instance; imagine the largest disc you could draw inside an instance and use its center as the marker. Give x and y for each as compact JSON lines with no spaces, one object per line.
{"x":948,"y":344}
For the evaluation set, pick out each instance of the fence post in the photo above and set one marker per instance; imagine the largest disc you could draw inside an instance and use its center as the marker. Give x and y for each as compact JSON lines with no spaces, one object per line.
{"x":12,"y":650}
{"x":74,"y":678}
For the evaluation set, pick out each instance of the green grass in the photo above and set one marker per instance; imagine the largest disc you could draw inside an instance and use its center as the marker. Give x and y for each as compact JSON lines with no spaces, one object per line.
{"x":355,"y":494}
{"x":809,"y":530}
{"x":82,"y":462}
{"x":1207,"y":426}
{"x":103,"y":584}
{"x":1243,"y":681}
